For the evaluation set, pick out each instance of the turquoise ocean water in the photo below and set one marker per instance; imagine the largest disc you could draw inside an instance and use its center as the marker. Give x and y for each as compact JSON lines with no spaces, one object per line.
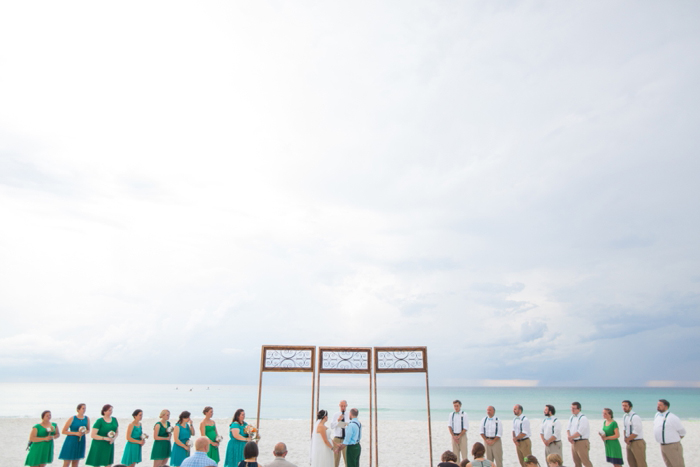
{"x":294,"y":402}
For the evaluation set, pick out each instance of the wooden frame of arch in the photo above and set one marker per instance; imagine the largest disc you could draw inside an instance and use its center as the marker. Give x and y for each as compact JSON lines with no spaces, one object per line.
{"x":346,"y":360}
{"x":401,"y":360}
{"x":288,"y":358}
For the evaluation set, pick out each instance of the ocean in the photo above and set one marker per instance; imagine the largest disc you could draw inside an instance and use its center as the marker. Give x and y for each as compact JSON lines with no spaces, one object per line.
{"x":293,"y":402}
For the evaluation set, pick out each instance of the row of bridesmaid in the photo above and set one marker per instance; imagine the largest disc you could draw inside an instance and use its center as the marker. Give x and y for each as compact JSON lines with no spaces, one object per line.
{"x":106,"y":430}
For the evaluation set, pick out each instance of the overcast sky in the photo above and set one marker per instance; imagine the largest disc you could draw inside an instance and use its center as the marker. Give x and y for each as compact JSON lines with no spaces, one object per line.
{"x":512,"y":184}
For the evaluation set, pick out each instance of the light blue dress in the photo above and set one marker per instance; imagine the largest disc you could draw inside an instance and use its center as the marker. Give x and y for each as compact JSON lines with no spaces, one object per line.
{"x":178,"y":455}
{"x":74,"y":446}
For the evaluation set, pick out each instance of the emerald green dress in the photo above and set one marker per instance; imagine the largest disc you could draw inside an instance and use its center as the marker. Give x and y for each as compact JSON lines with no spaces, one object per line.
{"x":210,"y":432}
{"x":102,"y":452}
{"x":161,"y":447}
{"x":613,"y":450}
{"x":41,"y":453}
{"x":132,"y":451}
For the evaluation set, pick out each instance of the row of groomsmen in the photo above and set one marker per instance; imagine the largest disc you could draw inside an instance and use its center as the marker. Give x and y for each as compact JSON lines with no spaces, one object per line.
{"x":668,"y":432}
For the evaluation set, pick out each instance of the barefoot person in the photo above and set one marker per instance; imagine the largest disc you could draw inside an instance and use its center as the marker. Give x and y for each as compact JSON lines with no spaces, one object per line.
{"x":633,"y":432}
{"x":457,"y":425}
{"x":353,"y":435}
{"x":74,"y":446}
{"x":338,"y":422}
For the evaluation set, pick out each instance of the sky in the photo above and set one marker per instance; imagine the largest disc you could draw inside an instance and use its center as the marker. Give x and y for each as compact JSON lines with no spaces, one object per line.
{"x":512,"y":184}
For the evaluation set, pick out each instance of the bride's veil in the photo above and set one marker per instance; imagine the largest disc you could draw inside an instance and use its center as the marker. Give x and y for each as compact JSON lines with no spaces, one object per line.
{"x":314,"y":440}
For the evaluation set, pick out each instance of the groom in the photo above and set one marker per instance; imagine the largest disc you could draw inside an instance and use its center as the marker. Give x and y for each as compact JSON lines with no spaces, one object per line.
{"x":353,"y":434}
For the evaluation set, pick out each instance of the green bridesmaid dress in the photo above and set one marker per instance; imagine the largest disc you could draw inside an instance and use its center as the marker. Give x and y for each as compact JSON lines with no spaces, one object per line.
{"x":42,"y":452}
{"x":132,"y":451}
{"x":102,"y":452}
{"x":613,"y":450}
{"x":161,"y":447}
{"x":210,"y":432}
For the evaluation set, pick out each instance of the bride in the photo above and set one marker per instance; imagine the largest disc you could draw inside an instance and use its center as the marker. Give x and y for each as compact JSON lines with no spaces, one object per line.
{"x":321,"y":447}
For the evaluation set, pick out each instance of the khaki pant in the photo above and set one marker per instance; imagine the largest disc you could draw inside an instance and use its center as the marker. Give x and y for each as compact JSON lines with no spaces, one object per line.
{"x":579,"y":451}
{"x":523,"y":448}
{"x":673,"y":454}
{"x":637,"y":453}
{"x":495,"y":452}
{"x":460,"y":448}
{"x":554,"y":448}
{"x":336,"y":455}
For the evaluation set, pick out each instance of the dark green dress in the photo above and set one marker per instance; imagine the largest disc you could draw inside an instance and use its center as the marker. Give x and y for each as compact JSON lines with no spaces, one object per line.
{"x":42,"y":452}
{"x":102,"y":452}
{"x":161,"y":447}
{"x":613,"y":450}
{"x":210,"y":432}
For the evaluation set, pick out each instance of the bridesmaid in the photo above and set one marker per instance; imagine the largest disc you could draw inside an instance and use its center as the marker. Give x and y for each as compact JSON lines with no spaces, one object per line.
{"x":181,"y":435}
{"x":104,"y":432}
{"x":160,"y":453}
{"x":237,"y":440}
{"x":74,"y":446}
{"x":134,"y":432}
{"x":42,"y":436}
{"x":208,"y":428}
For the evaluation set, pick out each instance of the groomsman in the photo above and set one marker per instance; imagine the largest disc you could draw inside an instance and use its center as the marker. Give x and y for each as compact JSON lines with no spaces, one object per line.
{"x":578,"y":433}
{"x":491,"y":431}
{"x":458,"y":424}
{"x":550,"y":432}
{"x":343,"y":416}
{"x":521,"y":434}
{"x":668,"y":431}
{"x":634,"y":437}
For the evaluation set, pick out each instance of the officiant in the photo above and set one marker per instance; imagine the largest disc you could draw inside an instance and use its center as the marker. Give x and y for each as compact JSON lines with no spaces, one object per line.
{"x":338,"y":423}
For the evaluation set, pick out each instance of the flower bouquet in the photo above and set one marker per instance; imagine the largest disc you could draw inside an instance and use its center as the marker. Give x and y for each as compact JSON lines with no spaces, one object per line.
{"x":219,"y":439}
{"x":252,"y":432}
{"x":111,"y":434}
{"x":144,"y":436}
{"x":82,"y":430}
{"x":188,"y":443}
{"x":169,"y":429}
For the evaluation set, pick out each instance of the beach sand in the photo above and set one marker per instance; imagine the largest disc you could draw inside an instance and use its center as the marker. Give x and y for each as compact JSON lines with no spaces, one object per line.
{"x":400,"y":443}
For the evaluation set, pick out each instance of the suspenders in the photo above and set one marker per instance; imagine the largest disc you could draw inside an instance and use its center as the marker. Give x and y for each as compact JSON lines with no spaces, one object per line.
{"x":663,"y":429}
{"x":461,"y":420}
{"x":485,"y":420}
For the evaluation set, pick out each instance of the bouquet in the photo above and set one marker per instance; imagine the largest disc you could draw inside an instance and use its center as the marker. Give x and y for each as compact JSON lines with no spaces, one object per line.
{"x":169,"y":429}
{"x":601,"y":433}
{"x":219,"y":439}
{"x":144,"y":436}
{"x":111,"y":434}
{"x":188,"y":443}
{"x":252,"y":432}
{"x":82,"y":430}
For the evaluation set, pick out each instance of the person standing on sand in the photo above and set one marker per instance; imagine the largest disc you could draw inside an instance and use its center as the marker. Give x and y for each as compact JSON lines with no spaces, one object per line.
{"x":668,"y":431}
{"x":338,"y":422}
{"x":578,"y":433}
{"x":491,"y":430}
{"x":634,"y":437}
{"x":521,"y":434}
{"x":353,"y":435}
{"x":551,"y":432}
{"x":458,"y":424}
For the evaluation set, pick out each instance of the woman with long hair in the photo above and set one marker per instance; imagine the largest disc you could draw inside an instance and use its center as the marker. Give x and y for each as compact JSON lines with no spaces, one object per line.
{"x":321,"y":447}
{"x":41,"y":437}
{"x":104,"y":432}
{"x":237,"y":440}
{"x":76,"y":429}
{"x":134,"y":440}
{"x":181,"y":436}
{"x":208,"y":428}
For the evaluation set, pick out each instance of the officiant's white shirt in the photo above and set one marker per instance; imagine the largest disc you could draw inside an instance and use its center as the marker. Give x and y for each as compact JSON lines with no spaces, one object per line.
{"x":338,"y":431}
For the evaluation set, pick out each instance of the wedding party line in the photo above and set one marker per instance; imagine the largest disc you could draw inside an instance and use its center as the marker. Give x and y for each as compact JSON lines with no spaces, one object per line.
{"x":342,"y":439}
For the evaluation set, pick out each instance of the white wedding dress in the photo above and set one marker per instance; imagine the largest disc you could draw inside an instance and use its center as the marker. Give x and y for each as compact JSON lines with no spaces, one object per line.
{"x":321,"y":455}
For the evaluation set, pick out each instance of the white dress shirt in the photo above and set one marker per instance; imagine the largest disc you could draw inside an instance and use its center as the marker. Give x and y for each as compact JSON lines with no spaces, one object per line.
{"x":338,"y":431}
{"x":551,"y":426}
{"x":579,"y":424}
{"x":521,"y":424}
{"x":632,"y":424}
{"x":668,"y":428}
{"x":458,"y":421}
{"x":491,"y":427}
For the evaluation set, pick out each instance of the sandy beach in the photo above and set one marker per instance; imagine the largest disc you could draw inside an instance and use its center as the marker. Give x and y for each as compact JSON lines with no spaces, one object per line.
{"x":400,"y":443}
